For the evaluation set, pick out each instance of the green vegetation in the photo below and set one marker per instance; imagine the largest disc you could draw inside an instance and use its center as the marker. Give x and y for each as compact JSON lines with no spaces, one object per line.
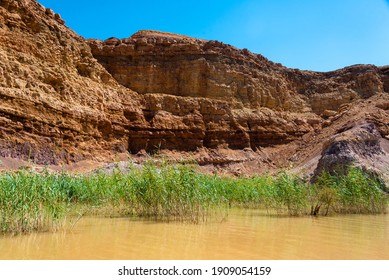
{"x":355,"y":192}
{"x":31,"y":201}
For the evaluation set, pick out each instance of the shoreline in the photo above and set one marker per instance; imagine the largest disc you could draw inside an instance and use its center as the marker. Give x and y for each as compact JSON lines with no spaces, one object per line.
{"x":32,"y":201}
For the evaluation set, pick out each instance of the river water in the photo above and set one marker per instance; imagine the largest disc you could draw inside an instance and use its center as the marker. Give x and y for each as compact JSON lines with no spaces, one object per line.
{"x":244,"y":234}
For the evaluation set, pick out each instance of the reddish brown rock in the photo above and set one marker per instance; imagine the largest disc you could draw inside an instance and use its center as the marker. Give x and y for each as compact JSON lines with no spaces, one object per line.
{"x":65,"y":99}
{"x":244,"y":100}
{"x":57,"y":103}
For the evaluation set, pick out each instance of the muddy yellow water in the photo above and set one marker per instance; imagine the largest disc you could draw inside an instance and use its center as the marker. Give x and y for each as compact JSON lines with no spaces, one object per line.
{"x":243,"y":235}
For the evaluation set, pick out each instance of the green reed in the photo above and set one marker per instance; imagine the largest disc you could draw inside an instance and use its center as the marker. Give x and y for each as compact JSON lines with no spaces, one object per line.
{"x":355,"y":192}
{"x":169,"y":192}
{"x":31,"y":201}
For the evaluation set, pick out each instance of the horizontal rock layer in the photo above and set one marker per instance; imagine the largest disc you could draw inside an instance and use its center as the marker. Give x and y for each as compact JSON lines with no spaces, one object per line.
{"x":65,"y":99}
{"x":57,"y":103}
{"x":218,"y":95}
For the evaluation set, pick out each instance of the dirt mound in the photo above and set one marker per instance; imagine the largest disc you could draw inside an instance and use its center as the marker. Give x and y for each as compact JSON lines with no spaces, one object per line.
{"x":358,"y":146}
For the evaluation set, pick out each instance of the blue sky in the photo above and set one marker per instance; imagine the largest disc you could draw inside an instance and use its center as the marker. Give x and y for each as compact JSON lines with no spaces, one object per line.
{"x":319,"y":35}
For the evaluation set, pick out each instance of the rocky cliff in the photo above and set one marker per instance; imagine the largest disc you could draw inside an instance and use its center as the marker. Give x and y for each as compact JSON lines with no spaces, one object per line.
{"x":65,"y":99}
{"x":200,"y":93}
{"x":57,"y":103}
{"x":203,"y":93}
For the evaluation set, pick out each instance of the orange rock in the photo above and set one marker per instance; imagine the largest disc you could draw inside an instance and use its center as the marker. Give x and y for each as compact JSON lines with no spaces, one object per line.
{"x":65,"y":99}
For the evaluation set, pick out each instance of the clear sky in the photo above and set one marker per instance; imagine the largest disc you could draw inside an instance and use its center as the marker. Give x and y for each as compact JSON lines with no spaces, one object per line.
{"x":319,"y":35}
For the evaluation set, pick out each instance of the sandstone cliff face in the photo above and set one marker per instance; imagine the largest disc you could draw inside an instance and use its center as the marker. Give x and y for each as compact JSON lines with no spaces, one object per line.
{"x":217,"y":95}
{"x":204,"y":93}
{"x":329,"y":91}
{"x":156,"y":62}
{"x":57,"y":103}
{"x":65,"y":99}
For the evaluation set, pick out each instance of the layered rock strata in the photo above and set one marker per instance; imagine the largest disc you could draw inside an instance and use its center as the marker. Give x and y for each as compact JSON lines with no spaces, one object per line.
{"x":65,"y":99}
{"x":220,"y":96}
{"x":57,"y":103}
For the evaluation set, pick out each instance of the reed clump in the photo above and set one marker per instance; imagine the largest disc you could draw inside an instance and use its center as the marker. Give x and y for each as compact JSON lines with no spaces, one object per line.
{"x":355,"y":192}
{"x":31,"y":201}
{"x":169,"y":192}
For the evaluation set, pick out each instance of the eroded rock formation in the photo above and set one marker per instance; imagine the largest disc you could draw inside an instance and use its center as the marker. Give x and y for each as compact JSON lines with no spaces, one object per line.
{"x":359,"y":145}
{"x":65,"y":99}
{"x":208,"y":94}
{"x":57,"y":103}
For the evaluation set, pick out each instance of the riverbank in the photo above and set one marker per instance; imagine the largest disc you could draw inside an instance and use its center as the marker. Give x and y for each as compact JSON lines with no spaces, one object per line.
{"x":31,"y":201}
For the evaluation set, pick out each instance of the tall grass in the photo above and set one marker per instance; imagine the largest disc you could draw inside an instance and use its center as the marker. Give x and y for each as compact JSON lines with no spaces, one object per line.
{"x":355,"y":192}
{"x":169,"y":192}
{"x":283,"y":193}
{"x":32,"y":201}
